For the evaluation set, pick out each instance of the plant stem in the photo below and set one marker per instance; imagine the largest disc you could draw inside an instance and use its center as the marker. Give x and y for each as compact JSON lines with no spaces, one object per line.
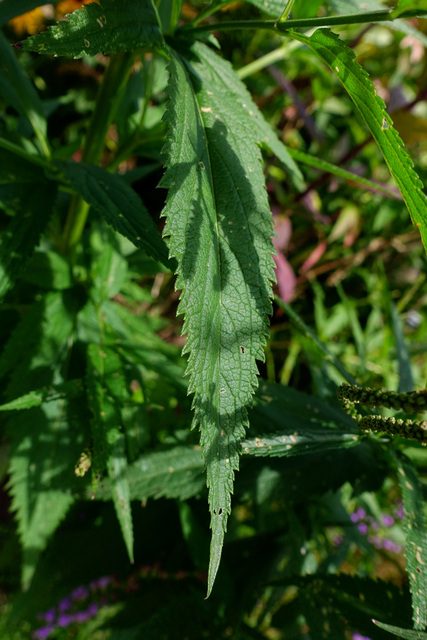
{"x":30,"y":157}
{"x":303,"y":23}
{"x":108,"y":99}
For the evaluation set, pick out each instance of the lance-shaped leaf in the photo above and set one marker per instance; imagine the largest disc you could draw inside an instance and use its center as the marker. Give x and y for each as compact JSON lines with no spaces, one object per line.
{"x":118,"y":203}
{"x":294,"y":444}
{"x":407,"y":634}
{"x":219,"y":225}
{"x":416,"y":539}
{"x":109,"y":27}
{"x":341,"y":60}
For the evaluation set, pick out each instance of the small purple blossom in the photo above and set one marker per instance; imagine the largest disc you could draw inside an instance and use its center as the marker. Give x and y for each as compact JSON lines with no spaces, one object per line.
{"x":363,"y":528}
{"x":361,"y":513}
{"x":81,"y":593}
{"x":64,"y":620}
{"x":43,"y":632}
{"x":358,"y":636}
{"x":354,"y":517}
{"x":388,"y":521}
{"x":92,"y":610}
{"x":65,"y":604}
{"x":50,"y":616}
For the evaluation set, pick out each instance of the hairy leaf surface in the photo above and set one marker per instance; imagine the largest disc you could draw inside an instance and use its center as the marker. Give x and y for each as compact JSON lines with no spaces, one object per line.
{"x":219,"y":223}
{"x":108,"y":27}
{"x":118,"y":203}
{"x":416,"y":539}
{"x":361,"y":90}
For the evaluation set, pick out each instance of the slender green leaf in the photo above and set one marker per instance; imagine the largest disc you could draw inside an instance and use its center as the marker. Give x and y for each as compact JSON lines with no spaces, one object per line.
{"x":17,"y":90}
{"x":341,"y":60}
{"x":48,"y":394}
{"x":406,"y":380}
{"x":294,"y":444}
{"x":118,"y":203}
{"x":410,"y":8}
{"x":170,"y":473}
{"x":416,"y":539}
{"x":11,"y":8}
{"x":407,"y":634}
{"x":108,"y":27}
{"x":108,"y":441}
{"x":328,"y":167}
{"x":220,"y":225}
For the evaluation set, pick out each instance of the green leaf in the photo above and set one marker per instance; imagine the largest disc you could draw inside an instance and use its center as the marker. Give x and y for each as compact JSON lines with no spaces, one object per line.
{"x":219,"y":225}
{"x":47,"y":394}
{"x":38,"y":347}
{"x":17,"y":243}
{"x":406,"y":379}
{"x":18,"y":91}
{"x":341,"y":60}
{"x":118,"y":203}
{"x":349,"y":602}
{"x":299,"y":443}
{"x":103,"y":366}
{"x":328,"y":167}
{"x":108,"y":27}
{"x":407,"y":634}
{"x":416,"y":539}
{"x":170,"y":473}
{"x":109,"y":267}
{"x":46,"y":442}
{"x":233,"y":90}
{"x":410,"y":8}
{"x":48,"y":270}
{"x":11,"y":8}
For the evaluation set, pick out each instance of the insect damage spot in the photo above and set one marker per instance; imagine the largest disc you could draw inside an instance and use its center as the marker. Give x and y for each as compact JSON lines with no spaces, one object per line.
{"x":206,"y":109}
{"x":385,"y":124}
{"x":242,"y":350}
{"x":87,"y":43}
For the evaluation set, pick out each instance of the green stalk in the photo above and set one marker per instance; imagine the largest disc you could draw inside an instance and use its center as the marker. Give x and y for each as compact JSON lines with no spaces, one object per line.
{"x":30,"y":157}
{"x":303,"y":23}
{"x":109,"y":96}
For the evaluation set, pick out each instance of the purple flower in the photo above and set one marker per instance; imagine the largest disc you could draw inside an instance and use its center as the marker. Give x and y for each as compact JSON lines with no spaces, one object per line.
{"x":101,"y":583}
{"x":354,"y":517}
{"x":50,"y":616}
{"x":357,"y":636}
{"x":337,"y":540}
{"x":376,"y":541}
{"x":43,"y":632}
{"x":65,"y":604}
{"x":65,"y":620}
{"x":363,"y":528}
{"x":81,"y":593}
{"x":92,"y":610}
{"x":374,"y":525}
{"x":388,"y":521}
{"x":361,"y":513}
{"x":82,"y":616}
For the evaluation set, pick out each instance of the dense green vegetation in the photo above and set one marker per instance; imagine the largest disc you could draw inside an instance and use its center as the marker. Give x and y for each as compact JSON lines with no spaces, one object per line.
{"x":227,"y":180}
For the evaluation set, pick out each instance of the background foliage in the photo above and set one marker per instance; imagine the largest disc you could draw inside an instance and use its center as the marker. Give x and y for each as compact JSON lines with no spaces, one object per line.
{"x":104,"y":502}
